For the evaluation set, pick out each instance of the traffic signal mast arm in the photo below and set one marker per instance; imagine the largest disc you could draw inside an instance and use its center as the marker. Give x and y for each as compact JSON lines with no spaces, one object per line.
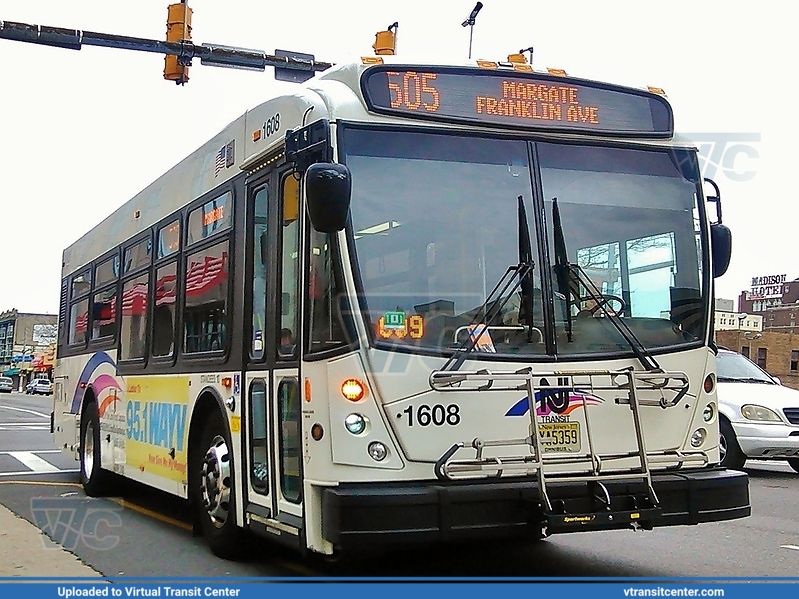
{"x":209,"y":54}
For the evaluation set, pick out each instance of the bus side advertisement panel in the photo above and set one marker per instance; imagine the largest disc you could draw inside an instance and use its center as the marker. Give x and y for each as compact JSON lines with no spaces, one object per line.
{"x":157,"y":426}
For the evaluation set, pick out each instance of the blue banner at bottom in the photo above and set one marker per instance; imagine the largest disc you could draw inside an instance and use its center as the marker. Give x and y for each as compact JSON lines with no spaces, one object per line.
{"x":775,"y":588}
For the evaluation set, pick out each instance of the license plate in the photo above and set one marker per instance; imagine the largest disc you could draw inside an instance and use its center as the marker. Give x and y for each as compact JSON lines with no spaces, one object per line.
{"x":560,"y":437}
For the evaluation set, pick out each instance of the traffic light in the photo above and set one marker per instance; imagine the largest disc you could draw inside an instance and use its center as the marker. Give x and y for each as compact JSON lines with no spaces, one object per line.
{"x":178,"y":28}
{"x":386,"y":41}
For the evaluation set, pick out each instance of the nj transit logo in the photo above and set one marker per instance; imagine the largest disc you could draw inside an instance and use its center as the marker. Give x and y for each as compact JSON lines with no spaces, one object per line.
{"x":561,"y":402}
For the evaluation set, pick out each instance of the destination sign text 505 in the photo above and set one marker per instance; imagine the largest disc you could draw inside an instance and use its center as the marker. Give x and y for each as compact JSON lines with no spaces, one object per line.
{"x":516,"y":99}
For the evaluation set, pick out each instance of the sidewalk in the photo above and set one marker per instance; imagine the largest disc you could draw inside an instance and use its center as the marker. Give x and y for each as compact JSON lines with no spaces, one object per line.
{"x":26,"y":551}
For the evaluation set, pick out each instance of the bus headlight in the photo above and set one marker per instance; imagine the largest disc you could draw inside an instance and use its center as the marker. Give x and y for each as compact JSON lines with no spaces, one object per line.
{"x":753,"y":412}
{"x":708,"y":412}
{"x":698,"y":437}
{"x":377,"y":451}
{"x":355,"y":423}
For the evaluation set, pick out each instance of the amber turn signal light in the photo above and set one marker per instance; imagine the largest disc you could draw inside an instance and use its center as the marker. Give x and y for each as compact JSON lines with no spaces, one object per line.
{"x":353,"y":389}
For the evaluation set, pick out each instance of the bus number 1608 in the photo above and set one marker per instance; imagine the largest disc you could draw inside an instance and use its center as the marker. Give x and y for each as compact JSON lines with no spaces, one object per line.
{"x":437,"y":415}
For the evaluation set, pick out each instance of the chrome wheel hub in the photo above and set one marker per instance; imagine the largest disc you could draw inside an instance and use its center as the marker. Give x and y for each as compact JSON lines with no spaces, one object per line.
{"x":215,"y":481}
{"x":722,"y":448}
{"x":88,"y":450}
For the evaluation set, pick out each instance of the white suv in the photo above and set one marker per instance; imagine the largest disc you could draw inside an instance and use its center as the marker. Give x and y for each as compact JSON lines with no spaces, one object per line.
{"x":759,"y":418}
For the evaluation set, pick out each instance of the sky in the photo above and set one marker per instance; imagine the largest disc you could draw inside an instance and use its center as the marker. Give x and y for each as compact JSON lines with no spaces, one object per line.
{"x":81,"y":132}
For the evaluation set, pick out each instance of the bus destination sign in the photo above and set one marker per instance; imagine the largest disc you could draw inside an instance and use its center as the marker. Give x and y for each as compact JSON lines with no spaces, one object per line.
{"x":494,"y":97}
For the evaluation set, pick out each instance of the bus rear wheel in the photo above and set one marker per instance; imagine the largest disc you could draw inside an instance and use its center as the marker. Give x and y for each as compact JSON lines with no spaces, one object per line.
{"x":214,"y":493}
{"x":93,"y":478}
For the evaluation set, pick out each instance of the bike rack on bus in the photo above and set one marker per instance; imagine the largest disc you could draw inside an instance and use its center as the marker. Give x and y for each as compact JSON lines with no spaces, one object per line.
{"x":637,"y":389}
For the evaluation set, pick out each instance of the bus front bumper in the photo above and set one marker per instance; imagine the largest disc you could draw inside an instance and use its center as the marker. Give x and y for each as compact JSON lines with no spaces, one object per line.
{"x":363,"y":514}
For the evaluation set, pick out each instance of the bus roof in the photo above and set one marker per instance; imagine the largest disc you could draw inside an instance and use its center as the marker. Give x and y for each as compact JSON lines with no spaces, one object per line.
{"x":338,"y":94}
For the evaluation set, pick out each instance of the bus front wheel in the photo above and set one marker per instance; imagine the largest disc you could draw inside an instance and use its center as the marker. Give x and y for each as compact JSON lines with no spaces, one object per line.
{"x":215,"y":495}
{"x":93,"y":478}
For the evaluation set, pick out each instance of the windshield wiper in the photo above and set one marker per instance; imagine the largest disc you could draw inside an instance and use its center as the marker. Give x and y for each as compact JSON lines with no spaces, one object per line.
{"x":504,"y":290}
{"x":526,"y":278}
{"x":571,"y":276}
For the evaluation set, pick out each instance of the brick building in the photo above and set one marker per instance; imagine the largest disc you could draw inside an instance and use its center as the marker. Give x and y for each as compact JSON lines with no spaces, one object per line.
{"x":776,"y":352}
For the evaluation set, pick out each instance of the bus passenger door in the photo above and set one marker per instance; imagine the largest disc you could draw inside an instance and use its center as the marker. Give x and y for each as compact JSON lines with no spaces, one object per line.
{"x":285,"y":403}
{"x":273,"y":395}
{"x":259,"y":479}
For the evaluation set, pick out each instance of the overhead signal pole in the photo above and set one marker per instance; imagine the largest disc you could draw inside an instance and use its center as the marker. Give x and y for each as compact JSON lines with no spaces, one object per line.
{"x":178,"y":48}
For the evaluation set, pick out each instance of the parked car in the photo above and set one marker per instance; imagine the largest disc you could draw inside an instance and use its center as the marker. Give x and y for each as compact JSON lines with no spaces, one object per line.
{"x":758,"y":417}
{"x":39,"y":386}
{"x":6,"y":384}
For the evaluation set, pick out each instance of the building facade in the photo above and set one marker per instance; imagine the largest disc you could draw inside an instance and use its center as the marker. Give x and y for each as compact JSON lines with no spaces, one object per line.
{"x":27,"y":343}
{"x":776,"y":299}
{"x":776,"y":352}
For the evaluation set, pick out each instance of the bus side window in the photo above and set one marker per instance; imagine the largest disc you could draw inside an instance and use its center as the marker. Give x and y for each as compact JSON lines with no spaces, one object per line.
{"x":164,"y":311}
{"x":289,"y":270}
{"x":260,"y":259}
{"x":206,"y":288}
{"x":133,"y":334}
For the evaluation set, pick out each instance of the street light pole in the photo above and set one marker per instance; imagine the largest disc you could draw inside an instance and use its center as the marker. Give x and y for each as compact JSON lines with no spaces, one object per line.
{"x":469,"y":22}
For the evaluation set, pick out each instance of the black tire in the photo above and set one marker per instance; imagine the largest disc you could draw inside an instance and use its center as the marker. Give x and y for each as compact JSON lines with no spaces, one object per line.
{"x":794,"y":463}
{"x":731,"y":455}
{"x":214,"y":489}
{"x":93,"y":478}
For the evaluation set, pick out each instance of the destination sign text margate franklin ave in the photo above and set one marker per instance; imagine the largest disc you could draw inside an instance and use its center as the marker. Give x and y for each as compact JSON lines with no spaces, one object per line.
{"x":538,"y":101}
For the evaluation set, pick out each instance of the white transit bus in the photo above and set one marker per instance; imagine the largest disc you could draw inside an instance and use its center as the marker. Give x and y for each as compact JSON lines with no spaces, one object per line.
{"x":409,"y":303}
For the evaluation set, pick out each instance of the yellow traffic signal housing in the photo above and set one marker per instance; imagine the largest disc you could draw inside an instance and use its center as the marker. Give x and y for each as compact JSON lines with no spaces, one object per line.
{"x":178,"y":28}
{"x":386,"y":41}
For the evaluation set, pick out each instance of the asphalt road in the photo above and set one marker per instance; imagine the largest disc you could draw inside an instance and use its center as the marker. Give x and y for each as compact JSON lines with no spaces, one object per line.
{"x":145,"y":533}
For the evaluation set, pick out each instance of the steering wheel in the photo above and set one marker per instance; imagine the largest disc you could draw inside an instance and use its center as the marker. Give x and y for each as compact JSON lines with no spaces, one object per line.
{"x":604,"y":300}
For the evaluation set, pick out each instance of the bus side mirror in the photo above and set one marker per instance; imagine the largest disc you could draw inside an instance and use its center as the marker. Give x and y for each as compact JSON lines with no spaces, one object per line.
{"x":721,"y":242}
{"x":328,"y":188}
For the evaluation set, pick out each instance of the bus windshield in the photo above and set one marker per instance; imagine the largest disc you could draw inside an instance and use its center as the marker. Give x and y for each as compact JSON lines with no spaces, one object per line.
{"x":435,"y":223}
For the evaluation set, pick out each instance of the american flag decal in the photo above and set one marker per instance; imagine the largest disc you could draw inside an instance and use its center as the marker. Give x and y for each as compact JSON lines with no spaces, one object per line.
{"x":219,"y":163}
{"x":225,"y":157}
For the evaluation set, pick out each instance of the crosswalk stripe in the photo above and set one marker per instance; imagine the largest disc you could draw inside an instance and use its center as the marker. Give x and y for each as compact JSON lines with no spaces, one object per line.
{"x":8,"y":452}
{"x":34,"y":462}
{"x":26,"y":411}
